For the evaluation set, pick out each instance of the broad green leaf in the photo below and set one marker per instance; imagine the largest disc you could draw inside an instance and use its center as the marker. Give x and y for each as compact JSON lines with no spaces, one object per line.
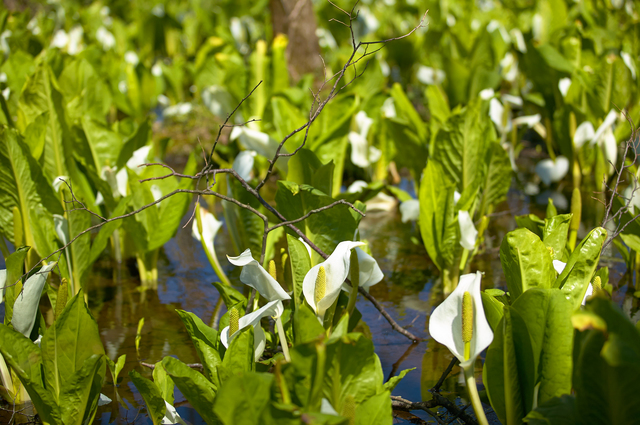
{"x":164,"y":382}
{"x":80,"y":392}
{"x":104,"y":143}
{"x":195,"y":387}
{"x":375,"y":410}
{"x":300,"y":265}
{"x":582,"y":263}
{"x":437,"y":224}
{"x":24,"y":357}
{"x":106,"y":231}
{"x":325,"y":229}
{"x":244,"y":398}
{"x":496,"y":177}
{"x":531,"y":222}
{"x":150,"y":393}
{"x":23,"y":185}
{"x":86,"y":94}
{"x":305,"y":168}
{"x":68,"y":343}
{"x":459,"y":144}
{"x":509,"y":370}
{"x":557,"y":411}
{"x":547,"y":314}
{"x":204,"y":339}
{"x":305,"y":324}
{"x":230,"y":296}
{"x":493,"y":309}
{"x":408,"y":113}
{"x":245,"y":227}
{"x":239,"y":356}
{"x":555,"y":233}
{"x":352,"y":369}
{"x":606,"y":368}
{"x":138,"y":140}
{"x":38,"y":96}
{"x":526,"y":262}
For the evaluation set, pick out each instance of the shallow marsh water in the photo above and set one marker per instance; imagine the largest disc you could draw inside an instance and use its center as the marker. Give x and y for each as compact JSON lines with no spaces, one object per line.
{"x":409,"y":292}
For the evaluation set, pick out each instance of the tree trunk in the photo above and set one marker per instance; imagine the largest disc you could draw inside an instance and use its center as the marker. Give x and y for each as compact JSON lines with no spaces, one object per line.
{"x":296,"y":20}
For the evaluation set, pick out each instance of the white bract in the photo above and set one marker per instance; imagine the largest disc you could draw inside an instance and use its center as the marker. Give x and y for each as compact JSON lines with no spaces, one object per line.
{"x":243,"y":164}
{"x":105,"y":38}
{"x":410,"y":210}
{"x":445,"y":324}
{"x":171,"y":416}
{"x":210,"y":227}
{"x":550,"y":171}
{"x":587,"y":294}
{"x":336,"y":269}
{"x":255,"y":276}
{"x":62,"y":228}
{"x":559,"y":266}
{"x":25,"y":308}
{"x":253,"y":319}
{"x":362,"y":154}
{"x":381,"y":202}
{"x":131,"y":58}
{"x":468,"y":232}
{"x":564,"y":85}
{"x":59,"y":181}
{"x":430,"y":76}
{"x":178,"y":110}
{"x":260,"y":142}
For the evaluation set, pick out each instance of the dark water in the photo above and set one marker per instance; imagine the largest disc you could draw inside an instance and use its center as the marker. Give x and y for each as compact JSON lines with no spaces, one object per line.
{"x":409,"y":292}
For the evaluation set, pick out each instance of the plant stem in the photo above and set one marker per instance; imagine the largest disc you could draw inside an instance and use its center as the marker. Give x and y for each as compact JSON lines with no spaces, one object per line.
{"x":283,"y":339}
{"x":474,"y":396}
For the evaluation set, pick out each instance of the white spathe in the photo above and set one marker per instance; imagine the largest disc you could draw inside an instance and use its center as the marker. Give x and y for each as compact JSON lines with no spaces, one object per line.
{"x":550,"y":171}
{"x":25,"y":307}
{"x":528,"y":120}
{"x":336,"y":269}
{"x":430,"y":76}
{"x":138,"y":158}
{"x":243,"y":164}
{"x":410,"y":210}
{"x":260,"y":142}
{"x":59,"y":181}
{"x":584,"y":133}
{"x":559,"y":266}
{"x":357,"y":186}
{"x":61,"y":226}
{"x":626,"y":58}
{"x":496,"y":113}
{"x":253,"y":319}
{"x":156,"y":192}
{"x":210,"y":227}
{"x":487,"y":94}
{"x":587,"y":294}
{"x":255,"y":276}
{"x":178,"y":110}
{"x":131,"y":58}
{"x":171,"y":415}
{"x":468,"y":232}
{"x":103,"y":400}
{"x":563,"y":86}
{"x":388,"y":108}
{"x":445,"y":324}
{"x":105,"y":38}
{"x":362,"y":154}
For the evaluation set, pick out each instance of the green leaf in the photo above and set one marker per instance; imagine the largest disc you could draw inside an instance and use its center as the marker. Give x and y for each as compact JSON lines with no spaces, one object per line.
{"x":239,"y":356}
{"x":437,"y":224}
{"x":150,"y":392}
{"x":391,"y":384}
{"x":68,"y":343}
{"x":204,"y":339}
{"x":245,"y":227}
{"x":575,"y":278}
{"x":41,"y":95}
{"x":547,"y":314}
{"x":24,"y":357}
{"x":531,"y":222}
{"x":555,"y":233}
{"x":493,"y":309}
{"x":80,"y":392}
{"x":607,"y":367}
{"x":103,"y":142}
{"x":325,"y":229}
{"x":23,"y":185}
{"x":244,"y":398}
{"x":376,"y":410}
{"x":195,"y":387}
{"x":460,"y":142}
{"x":509,"y":370}
{"x":164,"y":382}
{"x":300,"y":265}
{"x":305,"y":324}
{"x":526,"y":262}
{"x":116,"y":367}
{"x":497,"y":177}
{"x":557,"y":411}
